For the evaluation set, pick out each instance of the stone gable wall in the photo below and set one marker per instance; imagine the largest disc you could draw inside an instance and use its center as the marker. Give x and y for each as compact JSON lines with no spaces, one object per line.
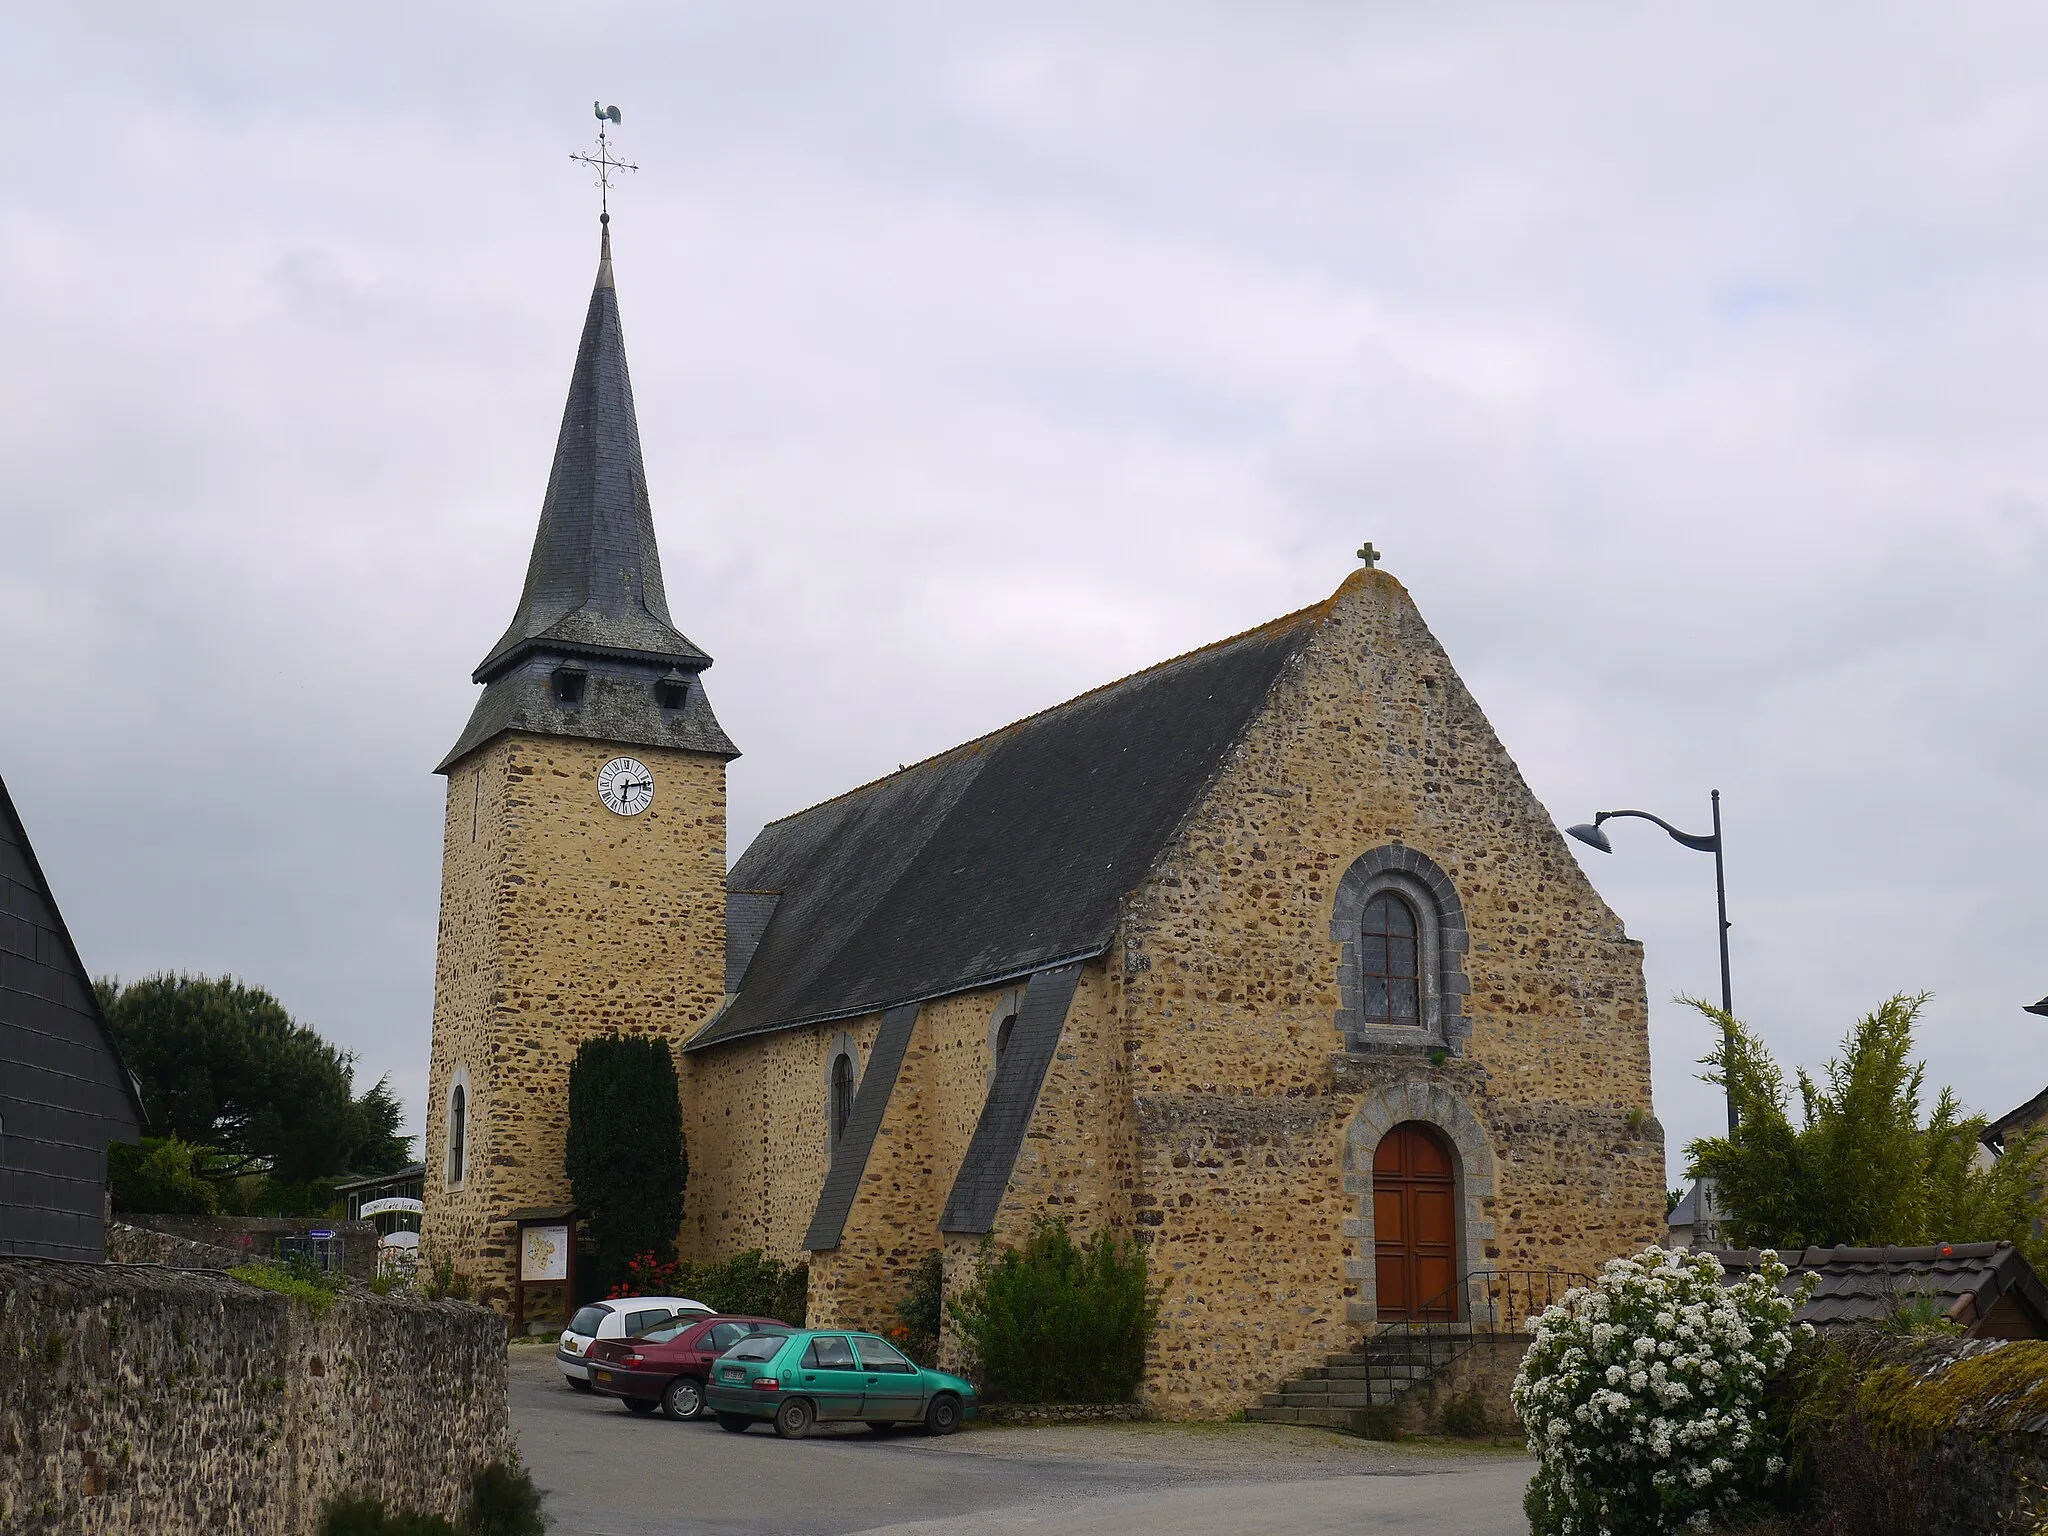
{"x":137,"y":1401}
{"x":559,"y":922}
{"x":1242,"y":1092}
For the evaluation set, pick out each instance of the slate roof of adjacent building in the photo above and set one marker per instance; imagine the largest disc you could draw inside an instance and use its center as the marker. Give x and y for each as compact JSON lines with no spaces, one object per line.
{"x":593,"y":598}
{"x":64,"y":1090}
{"x":2025,"y":1117}
{"x":1860,"y":1287}
{"x":1003,"y":857}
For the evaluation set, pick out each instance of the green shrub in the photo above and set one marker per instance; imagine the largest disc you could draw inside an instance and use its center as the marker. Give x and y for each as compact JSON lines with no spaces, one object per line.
{"x":1053,"y":1322}
{"x":920,"y":1313}
{"x":625,"y":1155}
{"x":749,"y":1284}
{"x":162,"y":1176}
{"x":297,"y":1277}
{"x":502,"y":1502}
{"x":443,"y":1281}
{"x":1465,"y":1414}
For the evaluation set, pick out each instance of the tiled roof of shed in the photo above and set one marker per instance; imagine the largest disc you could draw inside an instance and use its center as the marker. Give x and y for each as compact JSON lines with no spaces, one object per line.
{"x":1000,"y":858}
{"x":1860,"y":1286}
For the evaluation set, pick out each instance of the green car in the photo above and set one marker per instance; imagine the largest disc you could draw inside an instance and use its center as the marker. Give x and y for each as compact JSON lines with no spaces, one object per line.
{"x":823,"y":1374}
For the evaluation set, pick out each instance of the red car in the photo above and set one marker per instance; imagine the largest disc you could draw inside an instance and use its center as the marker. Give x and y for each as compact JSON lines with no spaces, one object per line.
{"x":666,"y":1367}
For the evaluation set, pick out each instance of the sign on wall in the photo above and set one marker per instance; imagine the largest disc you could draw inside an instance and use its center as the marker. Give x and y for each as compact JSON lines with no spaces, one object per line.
{"x":392,"y":1203}
{"x":544,"y":1255}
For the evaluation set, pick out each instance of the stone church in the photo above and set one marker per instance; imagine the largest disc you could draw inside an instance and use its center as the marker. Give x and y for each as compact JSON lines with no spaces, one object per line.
{"x":1265,"y":956}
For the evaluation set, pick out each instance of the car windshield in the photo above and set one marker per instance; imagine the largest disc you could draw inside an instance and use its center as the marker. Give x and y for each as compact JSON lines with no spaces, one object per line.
{"x":669,"y":1330}
{"x":589,"y":1319}
{"x":762,"y":1346}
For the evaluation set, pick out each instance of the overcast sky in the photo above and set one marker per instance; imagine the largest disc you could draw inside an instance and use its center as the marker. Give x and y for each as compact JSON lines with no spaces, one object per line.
{"x":1686,"y":362}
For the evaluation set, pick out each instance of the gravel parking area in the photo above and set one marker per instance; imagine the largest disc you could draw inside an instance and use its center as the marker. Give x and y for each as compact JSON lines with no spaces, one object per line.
{"x":609,"y":1473}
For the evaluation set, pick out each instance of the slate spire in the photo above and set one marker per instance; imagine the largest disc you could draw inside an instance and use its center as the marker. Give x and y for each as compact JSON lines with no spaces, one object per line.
{"x":593,"y":584}
{"x":592,"y":651}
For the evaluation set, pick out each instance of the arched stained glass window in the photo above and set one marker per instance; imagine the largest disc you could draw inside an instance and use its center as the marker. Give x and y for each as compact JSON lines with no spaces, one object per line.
{"x":1389,"y":962}
{"x":842,"y":1094}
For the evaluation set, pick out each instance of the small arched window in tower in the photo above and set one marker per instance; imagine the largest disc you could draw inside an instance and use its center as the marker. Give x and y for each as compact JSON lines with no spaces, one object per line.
{"x":1003,"y":1032}
{"x":1389,"y":962}
{"x":842,"y":1094}
{"x":569,"y":680}
{"x":458,"y":1132}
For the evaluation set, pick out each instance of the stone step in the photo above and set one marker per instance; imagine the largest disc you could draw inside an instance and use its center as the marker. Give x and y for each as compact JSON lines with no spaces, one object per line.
{"x":1347,"y":1400}
{"x":1404,"y":1371}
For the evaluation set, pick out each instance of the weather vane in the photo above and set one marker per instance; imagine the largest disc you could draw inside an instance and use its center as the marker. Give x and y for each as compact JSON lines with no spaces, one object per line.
{"x":604,"y":162}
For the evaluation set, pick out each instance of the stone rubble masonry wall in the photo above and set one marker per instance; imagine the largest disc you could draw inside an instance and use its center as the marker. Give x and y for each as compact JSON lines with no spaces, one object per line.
{"x":755,"y":1119}
{"x":249,"y":1239}
{"x":141,"y":1245}
{"x":1241,"y":1090}
{"x":140,"y":1401}
{"x":559,"y":922}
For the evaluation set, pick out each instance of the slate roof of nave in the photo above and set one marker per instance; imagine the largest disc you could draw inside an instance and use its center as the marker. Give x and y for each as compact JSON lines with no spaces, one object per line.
{"x":1000,"y":858}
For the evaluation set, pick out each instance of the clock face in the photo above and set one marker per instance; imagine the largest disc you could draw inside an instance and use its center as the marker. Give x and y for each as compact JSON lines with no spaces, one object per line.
{"x":625,"y":786}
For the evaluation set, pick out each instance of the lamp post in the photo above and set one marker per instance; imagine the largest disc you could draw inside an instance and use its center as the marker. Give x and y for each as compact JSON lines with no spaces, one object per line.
{"x":1590,"y":834}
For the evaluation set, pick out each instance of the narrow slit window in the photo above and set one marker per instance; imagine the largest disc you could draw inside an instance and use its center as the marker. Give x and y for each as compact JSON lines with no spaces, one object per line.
{"x":842,"y":1094}
{"x":1389,"y":962}
{"x":458,"y":1127}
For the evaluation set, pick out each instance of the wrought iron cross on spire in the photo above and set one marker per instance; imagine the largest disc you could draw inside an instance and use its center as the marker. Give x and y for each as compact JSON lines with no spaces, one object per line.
{"x":604,"y":162}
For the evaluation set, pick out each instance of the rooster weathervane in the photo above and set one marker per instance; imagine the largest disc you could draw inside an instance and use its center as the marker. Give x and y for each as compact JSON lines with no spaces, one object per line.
{"x":604,"y":162}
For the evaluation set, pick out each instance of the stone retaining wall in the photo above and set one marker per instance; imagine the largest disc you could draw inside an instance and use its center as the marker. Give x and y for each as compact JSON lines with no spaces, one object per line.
{"x":253,"y":1239}
{"x":140,"y":1401}
{"x":141,"y":1245}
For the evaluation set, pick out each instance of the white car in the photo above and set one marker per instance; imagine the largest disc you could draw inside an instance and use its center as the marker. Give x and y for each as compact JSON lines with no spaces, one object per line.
{"x":623,"y":1317}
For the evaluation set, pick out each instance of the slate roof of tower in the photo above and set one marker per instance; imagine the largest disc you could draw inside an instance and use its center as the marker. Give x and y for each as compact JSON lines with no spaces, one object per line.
{"x":999,"y":858}
{"x":593,"y":597}
{"x":594,"y":580}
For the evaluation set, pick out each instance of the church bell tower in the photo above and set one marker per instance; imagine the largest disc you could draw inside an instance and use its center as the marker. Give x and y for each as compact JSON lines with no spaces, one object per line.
{"x":583,"y":856}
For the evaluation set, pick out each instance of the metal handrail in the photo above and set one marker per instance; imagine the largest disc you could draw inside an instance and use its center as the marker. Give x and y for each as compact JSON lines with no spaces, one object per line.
{"x":1440,"y":1331}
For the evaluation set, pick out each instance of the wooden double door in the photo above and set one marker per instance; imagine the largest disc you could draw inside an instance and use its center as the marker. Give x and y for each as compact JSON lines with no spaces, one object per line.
{"x":1415,"y":1224}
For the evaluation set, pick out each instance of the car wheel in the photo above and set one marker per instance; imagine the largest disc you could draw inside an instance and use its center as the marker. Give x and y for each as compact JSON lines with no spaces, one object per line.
{"x":943,"y":1417}
{"x":793,"y":1419}
{"x":579,"y":1383}
{"x":640,"y":1405}
{"x":734,"y":1423}
{"x":684,"y":1399}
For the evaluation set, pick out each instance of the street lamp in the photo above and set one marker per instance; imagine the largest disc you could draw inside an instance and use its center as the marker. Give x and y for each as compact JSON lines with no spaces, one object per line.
{"x":1590,"y":834}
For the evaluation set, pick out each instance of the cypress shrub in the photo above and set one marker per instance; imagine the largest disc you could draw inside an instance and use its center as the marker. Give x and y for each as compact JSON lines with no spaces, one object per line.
{"x":625,"y":1156}
{"x":1053,"y":1322}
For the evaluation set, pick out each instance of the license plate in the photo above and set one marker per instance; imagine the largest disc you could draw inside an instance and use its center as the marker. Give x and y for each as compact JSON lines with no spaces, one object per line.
{"x":733,"y":1373}
{"x":604,"y":1375}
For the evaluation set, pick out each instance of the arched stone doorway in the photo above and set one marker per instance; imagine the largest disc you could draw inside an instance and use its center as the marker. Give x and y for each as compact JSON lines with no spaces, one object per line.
{"x":1415,"y":1224}
{"x":1441,"y":1108}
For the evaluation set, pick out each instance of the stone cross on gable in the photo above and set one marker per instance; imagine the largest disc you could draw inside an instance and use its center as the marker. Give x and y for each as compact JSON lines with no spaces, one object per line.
{"x":1369,"y":555}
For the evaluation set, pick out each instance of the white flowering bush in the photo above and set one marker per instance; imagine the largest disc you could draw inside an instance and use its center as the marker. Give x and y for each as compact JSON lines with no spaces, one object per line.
{"x":1643,"y":1396}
